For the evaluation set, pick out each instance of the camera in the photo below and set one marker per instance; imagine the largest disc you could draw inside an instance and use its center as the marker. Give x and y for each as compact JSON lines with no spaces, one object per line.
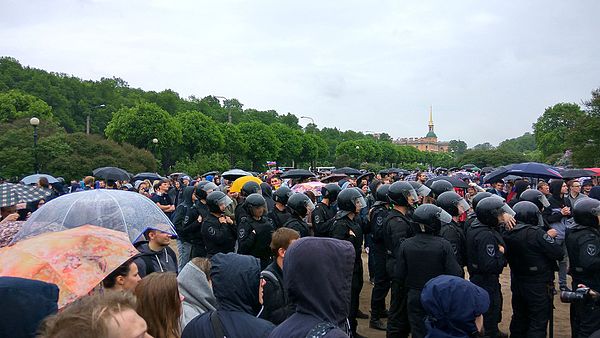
{"x":575,"y":296}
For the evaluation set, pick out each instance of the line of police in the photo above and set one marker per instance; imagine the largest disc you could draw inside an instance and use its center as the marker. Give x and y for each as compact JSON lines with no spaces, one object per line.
{"x":414,"y":244}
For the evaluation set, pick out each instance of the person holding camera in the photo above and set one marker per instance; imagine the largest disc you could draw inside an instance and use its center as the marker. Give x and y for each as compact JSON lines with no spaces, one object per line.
{"x":532,"y":254}
{"x":583,"y":246}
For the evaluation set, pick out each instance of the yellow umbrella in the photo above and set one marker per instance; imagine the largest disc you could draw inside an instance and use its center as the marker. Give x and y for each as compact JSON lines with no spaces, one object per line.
{"x":237,"y":185}
{"x":76,"y":260}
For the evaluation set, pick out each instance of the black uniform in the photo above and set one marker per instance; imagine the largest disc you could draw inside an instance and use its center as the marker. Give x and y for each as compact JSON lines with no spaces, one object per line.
{"x":218,"y":237}
{"x":382,"y":279}
{"x":322,"y":219}
{"x":485,"y":263}
{"x":583,"y":246}
{"x":347,"y":229}
{"x":532,"y":256}
{"x":198,"y":246}
{"x":279,"y":217}
{"x":298,"y":224}
{"x":420,"y":259}
{"x":397,"y":229}
{"x":277,"y":306}
{"x":241,"y":212}
{"x":453,"y":232}
{"x":254,"y":238}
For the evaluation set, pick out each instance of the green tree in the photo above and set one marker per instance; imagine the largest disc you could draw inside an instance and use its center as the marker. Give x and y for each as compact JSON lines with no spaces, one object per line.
{"x":262,"y":143}
{"x":202,"y":163}
{"x":457,"y":146}
{"x":389,"y":153}
{"x":15,"y":104}
{"x":483,"y":146}
{"x":200,"y":133}
{"x":551,"y":128}
{"x":235,"y":146}
{"x":291,"y":143}
{"x":584,"y":138}
{"x":521,"y":144}
{"x":494,"y":157}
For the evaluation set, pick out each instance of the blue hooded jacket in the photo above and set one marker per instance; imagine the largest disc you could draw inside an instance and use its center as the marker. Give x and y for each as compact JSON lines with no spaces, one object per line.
{"x":452,"y":304}
{"x":25,"y":303}
{"x":317,"y":274}
{"x":235,"y":279}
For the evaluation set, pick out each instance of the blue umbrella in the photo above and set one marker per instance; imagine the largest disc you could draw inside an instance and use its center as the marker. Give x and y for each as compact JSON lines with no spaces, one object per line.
{"x":526,"y":169}
{"x":33,"y":179}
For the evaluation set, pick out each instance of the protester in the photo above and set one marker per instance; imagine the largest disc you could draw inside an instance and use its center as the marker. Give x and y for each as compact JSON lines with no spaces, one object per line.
{"x":123,"y":278}
{"x":100,"y":316}
{"x":235,"y":281}
{"x":162,"y":198}
{"x":155,"y":254}
{"x":574,"y":193}
{"x":498,"y":188}
{"x":195,"y":287}
{"x":159,"y":303}
{"x":586,"y":186}
{"x":187,"y":223}
{"x":321,"y":310}
{"x":267,"y":193}
{"x":557,"y":215}
{"x":275,"y":300}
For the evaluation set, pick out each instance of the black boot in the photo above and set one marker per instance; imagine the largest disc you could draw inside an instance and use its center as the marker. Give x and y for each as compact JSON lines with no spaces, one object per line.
{"x":377,"y":325}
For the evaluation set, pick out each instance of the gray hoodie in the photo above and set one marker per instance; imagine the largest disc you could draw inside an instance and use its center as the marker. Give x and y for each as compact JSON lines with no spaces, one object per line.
{"x":197,"y":293}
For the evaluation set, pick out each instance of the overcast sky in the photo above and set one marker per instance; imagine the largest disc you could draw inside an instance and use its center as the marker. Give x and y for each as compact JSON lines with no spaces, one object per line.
{"x":489,"y":68}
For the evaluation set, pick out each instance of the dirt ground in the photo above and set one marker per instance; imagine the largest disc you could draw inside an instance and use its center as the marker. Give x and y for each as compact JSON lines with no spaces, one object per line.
{"x":562,"y":328}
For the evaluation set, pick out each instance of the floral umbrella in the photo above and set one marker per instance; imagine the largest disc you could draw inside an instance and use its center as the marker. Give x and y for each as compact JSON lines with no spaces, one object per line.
{"x":76,"y":260}
{"x":314,"y":186}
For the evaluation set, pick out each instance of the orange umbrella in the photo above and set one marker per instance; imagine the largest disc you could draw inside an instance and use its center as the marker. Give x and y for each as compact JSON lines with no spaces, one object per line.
{"x":237,"y":185}
{"x":76,"y":260}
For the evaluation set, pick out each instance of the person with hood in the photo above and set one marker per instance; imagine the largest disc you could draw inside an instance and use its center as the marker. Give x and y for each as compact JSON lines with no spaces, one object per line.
{"x":280,"y":214}
{"x":155,"y":254}
{"x":267,"y":193}
{"x":454,"y":307}
{"x":25,"y":303}
{"x":195,"y":287}
{"x":324,"y":213}
{"x":515,"y":195}
{"x":320,"y":311}
{"x":557,"y":216}
{"x":235,"y":279}
{"x":185,"y":224}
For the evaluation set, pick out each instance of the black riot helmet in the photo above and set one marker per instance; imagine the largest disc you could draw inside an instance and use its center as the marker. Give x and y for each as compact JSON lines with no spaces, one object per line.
{"x":440,"y":186}
{"x":528,"y":213}
{"x":452,"y":202}
{"x":421,"y":189}
{"x":250,"y":188}
{"x":217,"y":201}
{"x":300,"y":204}
{"x":479,"y":196}
{"x":255,"y":204}
{"x":203,"y":189}
{"x":282,"y":195}
{"x":401,"y":193}
{"x":586,"y":212}
{"x":430,"y":218}
{"x":381,"y":195}
{"x":489,"y":208}
{"x":350,"y":199}
{"x":536,"y":197}
{"x":331,"y":192}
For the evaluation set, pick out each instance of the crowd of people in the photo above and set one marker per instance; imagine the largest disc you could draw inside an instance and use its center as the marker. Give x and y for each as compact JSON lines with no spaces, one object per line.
{"x":267,"y":262}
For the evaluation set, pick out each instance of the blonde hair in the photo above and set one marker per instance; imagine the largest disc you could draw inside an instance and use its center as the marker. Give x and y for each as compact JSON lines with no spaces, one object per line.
{"x":159,"y":304}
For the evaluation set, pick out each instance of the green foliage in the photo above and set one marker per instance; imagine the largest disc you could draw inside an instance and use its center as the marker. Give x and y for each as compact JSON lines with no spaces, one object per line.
{"x":551,"y":128}
{"x":291,"y":143}
{"x":457,"y":146}
{"x":483,"y":146}
{"x":262,"y":143}
{"x":200,"y":133}
{"x":15,"y":104}
{"x":495,"y":157}
{"x":522,"y":144}
{"x":202,"y":163}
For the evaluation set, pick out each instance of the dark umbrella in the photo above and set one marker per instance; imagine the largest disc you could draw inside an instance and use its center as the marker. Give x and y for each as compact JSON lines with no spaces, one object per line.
{"x":486,"y":170}
{"x":495,"y":175}
{"x":233,"y":174}
{"x":111,"y":173}
{"x":534,"y":169}
{"x":347,"y":171}
{"x":146,"y":176}
{"x":213,"y":173}
{"x":333,"y":178}
{"x":33,"y":179}
{"x":368,"y":176}
{"x":576,"y":173}
{"x":453,"y":180}
{"x":13,"y":194}
{"x":297,"y":173}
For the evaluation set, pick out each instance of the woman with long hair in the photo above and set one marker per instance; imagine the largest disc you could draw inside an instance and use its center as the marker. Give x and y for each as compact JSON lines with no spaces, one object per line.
{"x":159,"y":303}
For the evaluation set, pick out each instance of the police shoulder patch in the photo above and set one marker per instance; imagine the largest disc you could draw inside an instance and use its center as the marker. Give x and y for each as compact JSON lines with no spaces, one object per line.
{"x":379,"y":220}
{"x":317,"y":219}
{"x":211,"y":231}
{"x":491,"y":250}
{"x":186,"y":219}
{"x":242,"y":233}
{"x":592,"y":250}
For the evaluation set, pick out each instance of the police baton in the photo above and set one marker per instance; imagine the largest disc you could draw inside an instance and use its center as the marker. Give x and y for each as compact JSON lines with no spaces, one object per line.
{"x":552,"y":293}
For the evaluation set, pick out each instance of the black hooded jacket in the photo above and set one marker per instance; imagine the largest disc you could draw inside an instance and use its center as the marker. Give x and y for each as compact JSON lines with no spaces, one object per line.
{"x":267,"y":193}
{"x":330,"y":301}
{"x":235,"y":281}
{"x":520,"y":186}
{"x":188,"y":222}
{"x":551,"y":213}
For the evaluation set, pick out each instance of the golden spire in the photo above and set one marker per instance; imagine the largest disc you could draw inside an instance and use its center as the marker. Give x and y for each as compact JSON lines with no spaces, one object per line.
{"x":430,"y":115}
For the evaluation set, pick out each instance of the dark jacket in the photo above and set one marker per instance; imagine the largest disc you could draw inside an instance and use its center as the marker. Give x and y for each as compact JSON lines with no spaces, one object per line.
{"x":276,"y":304}
{"x":25,"y":303}
{"x":267,"y":193}
{"x":149,"y":261}
{"x":298,"y":224}
{"x":330,"y":301}
{"x":279,"y":217}
{"x":235,"y":281}
{"x":483,"y":255}
{"x":552,"y":215}
{"x":254,"y":238}
{"x":322,"y":219}
{"x":583,"y":246}
{"x":182,"y":219}
{"x":453,"y":232}
{"x":218,"y":237}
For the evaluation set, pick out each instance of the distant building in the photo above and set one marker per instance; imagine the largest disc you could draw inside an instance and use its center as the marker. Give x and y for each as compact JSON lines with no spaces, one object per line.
{"x":427,"y":143}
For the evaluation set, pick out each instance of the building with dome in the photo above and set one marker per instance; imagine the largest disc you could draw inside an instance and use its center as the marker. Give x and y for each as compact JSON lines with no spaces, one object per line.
{"x":428,"y":143}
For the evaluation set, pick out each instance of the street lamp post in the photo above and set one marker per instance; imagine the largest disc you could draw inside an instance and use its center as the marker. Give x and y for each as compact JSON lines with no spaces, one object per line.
{"x":228,"y":110}
{"x":309,"y":118}
{"x":87,"y":122}
{"x":35,"y":122}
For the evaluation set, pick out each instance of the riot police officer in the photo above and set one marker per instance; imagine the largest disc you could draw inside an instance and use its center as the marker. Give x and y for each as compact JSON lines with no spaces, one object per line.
{"x":324,"y":213}
{"x":423,"y":257}
{"x":345,"y":227}
{"x":381,"y":279}
{"x":402,"y":197}
{"x":532,"y":254}
{"x":248,"y":188}
{"x":421,"y":189}
{"x":455,"y":205}
{"x":539,"y":199}
{"x":583,"y":246}
{"x":485,"y":256}
{"x":280,"y":214}
{"x":218,"y":230}
{"x":299,"y":205}
{"x":254,"y":231}
{"x":471,"y":216}
{"x":439,"y":187}
{"x":198,"y":213}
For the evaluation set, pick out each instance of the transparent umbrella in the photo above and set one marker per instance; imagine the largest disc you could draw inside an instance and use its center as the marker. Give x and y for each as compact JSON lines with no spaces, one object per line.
{"x":119,"y":210}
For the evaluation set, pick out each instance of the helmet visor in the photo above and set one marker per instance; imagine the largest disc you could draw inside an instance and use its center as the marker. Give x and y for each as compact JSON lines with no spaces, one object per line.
{"x":310,"y":206}
{"x":506,"y":209}
{"x":224,"y":202}
{"x":444,"y":216}
{"x":423,"y":190}
{"x":209,"y":187}
{"x":462,"y":204}
{"x":544,"y":201}
{"x":411,"y":194}
{"x":360,"y":202}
